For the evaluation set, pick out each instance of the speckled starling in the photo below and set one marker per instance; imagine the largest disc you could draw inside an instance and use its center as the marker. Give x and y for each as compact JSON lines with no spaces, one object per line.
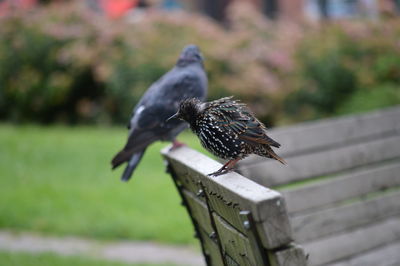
{"x":228,"y":129}
{"x":148,"y":122}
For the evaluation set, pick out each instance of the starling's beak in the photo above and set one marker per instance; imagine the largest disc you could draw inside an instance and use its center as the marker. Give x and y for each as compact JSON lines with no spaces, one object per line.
{"x":177,"y":115}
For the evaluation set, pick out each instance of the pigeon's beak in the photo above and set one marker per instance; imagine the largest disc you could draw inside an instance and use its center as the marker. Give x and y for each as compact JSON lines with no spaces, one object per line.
{"x":177,"y":115}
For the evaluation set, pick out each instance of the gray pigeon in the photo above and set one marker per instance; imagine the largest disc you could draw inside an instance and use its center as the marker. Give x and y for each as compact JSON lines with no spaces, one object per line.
{"x":148,"y":123}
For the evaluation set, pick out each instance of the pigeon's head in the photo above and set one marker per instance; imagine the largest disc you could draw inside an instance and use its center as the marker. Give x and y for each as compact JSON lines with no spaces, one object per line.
{"x":190,"y":54}
{"x":188,"y":110}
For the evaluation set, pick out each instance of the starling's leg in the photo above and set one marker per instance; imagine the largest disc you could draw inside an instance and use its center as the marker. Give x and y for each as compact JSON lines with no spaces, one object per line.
{"x":221,"y":171}
{"x":225,"y":168}
{"x":176,"y":144}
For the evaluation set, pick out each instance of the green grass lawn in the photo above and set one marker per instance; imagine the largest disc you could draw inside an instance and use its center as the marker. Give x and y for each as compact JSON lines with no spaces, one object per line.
{"x":49,"y":259}
{"x":57,"y":180}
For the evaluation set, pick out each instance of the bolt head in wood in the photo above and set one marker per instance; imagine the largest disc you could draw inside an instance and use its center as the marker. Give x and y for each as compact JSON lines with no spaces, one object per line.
{"x":246,"y":225}
{"x":200,"y":193}
{"x":213,"y":235}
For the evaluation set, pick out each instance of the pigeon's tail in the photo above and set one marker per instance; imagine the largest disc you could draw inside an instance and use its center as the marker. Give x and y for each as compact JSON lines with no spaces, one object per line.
{"x":120,"y":158}
{"x":131,"y":166}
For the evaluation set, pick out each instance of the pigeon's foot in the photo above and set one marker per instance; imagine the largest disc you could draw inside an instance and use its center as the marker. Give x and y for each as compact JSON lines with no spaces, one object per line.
{"x":176,"y":144}
{"x":226,"y":168}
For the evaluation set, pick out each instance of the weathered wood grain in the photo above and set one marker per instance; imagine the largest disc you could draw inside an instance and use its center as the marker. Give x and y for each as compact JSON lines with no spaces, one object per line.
{"x":229,"y":210}
{"x":326,"y":192}
{"x":342,"y":246}
{"x":293,"y":255}
{"x":211,"y":249}
{"x":235,"y":244}
{"x":388,"y":255}
{"x":188,"y":182}
{"x":324,"y":162}
{"x":267,"y":206}
{"x":325,"y":134}
{"x":344,"y":217}
{"x":199,"y":211}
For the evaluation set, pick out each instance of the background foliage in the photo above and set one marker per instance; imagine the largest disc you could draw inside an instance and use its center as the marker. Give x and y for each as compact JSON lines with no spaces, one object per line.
{"x":76,"y":66}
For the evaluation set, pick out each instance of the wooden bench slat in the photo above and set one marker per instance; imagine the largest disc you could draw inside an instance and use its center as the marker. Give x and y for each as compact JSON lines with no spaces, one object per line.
{"x":293,"y":255}
{"x":199,"y":211}
{"x":348,"y":244}
{"x":334,"y":220}
{"x":228,"y":210}
{"x":266,"y":206}
{"x":235,"y":244}
{"x":387,"y":255}
{"x":324,"y":134}
{"x":187,"y":181}
{"x":211,"y":249}
{"x":326,"y":192}
{"x":271,"y":173}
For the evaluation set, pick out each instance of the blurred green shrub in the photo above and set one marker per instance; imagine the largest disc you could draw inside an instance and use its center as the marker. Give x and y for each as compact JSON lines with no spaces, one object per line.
{"x":75,"y":66}
{"x":38,"y":81}
{"x":347,"y":67}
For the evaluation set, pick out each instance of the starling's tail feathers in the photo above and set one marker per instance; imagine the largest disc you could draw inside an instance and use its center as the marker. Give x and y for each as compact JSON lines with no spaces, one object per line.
{"x":280,"y":159}
{"x":272,"y":142}
{"x":275,"y":156}
{"x":131,"y":166}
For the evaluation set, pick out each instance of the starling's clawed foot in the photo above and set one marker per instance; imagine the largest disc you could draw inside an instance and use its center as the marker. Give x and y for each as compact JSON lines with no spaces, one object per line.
{"x":221,"y":171}
{"x":226,"y":168}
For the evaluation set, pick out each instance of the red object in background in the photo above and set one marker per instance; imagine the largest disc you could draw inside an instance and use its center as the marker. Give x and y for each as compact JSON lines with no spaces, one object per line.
{"x":26,"y":3}
{"x":6,"y":5}
{"x":117,"y":8}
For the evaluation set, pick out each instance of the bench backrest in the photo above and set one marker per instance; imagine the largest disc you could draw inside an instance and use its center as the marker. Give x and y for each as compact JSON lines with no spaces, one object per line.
{"x":341,"y":184}
{"x":238,"y":221}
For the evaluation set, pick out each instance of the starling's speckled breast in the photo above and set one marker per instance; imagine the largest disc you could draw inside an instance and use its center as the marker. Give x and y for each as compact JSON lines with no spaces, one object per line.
{"x":218,"y":140}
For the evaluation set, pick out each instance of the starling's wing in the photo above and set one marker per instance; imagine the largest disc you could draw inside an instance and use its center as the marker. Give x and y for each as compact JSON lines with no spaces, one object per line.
{"x":237,"y":118}
{"x":222,"y":103}
{"x":256,"y":133}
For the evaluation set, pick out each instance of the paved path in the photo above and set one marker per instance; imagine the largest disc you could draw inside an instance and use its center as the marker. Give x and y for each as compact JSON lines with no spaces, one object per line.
{"x":126,"y":251}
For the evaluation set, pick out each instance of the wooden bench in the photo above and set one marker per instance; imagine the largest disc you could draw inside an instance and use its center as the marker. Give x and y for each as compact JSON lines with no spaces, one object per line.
{"x":340,"y":192}
{"x":341,"y":187}
{"x":237,"y":221}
